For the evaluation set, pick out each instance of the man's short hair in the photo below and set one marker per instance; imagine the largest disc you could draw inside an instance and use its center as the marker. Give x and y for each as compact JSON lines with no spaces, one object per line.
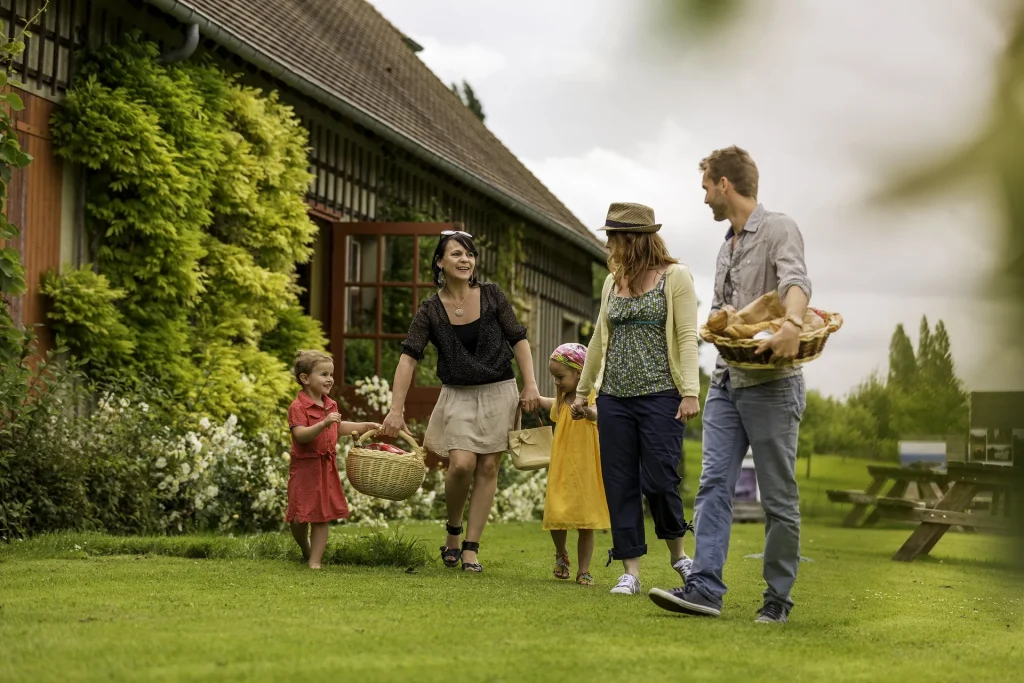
{"x":735,"y":164}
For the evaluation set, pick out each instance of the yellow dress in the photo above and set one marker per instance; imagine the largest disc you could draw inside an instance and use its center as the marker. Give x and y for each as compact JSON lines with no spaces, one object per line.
{"x":575,"y":494}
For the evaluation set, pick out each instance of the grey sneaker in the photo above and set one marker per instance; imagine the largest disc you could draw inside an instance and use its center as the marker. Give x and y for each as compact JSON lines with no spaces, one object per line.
{"x":683,"y":566}
{"x":627,"y":585}
{"x":686,"y":600}
{"x":772,"y":613}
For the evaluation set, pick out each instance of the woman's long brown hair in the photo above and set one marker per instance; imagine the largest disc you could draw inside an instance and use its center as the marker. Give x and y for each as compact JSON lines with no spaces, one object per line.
{"x":632,"y":254}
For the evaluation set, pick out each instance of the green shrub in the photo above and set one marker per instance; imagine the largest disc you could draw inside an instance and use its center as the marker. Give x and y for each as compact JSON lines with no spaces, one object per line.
{"x":370,"y":550}
{"x":42,"y":481}
{"x":196,"y":198}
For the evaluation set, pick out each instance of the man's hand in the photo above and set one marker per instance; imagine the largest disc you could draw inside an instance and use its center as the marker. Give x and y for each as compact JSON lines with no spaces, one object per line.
{"x":784,"y":344}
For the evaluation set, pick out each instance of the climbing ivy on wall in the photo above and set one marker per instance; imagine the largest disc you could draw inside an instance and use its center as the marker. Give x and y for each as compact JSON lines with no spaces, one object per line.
{"x":13,"y":339}
{"x":195,"y":203}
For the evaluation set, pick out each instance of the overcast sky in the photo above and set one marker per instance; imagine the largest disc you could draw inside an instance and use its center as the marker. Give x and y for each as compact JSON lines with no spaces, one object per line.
{"x":830,"y":97}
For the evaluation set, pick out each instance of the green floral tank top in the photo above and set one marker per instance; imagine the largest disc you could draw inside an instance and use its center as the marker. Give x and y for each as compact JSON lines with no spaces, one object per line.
{"x":637,"y":360}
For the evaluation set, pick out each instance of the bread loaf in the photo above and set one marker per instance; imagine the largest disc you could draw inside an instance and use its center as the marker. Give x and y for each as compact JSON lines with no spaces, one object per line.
{"x":747,"y":331}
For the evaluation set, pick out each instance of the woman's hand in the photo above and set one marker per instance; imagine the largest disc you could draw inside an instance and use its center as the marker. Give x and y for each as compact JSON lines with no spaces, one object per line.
{"x":578,"y":409}
{"x":689,"y":407}
{"x":530,"y":398}
{"x":392,"y":425}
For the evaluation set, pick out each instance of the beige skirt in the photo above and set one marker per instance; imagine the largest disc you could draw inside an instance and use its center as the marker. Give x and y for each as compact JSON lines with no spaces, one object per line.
{"x":475,"y":419}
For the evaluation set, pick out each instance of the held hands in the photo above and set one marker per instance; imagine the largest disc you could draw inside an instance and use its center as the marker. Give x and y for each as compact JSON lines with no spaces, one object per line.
{"x":578,"y":409}
{"x":530,"y":398}
{"x":784,"y":344}
{"x":393,"y":424}
{"x":688,"y":408}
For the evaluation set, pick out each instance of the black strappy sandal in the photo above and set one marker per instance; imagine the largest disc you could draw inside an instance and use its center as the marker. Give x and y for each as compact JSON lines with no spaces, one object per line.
{"x":473,"y":547}
{"x":451,"y":556}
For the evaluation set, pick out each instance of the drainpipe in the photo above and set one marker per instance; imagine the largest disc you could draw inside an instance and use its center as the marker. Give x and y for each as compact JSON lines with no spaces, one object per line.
{"x":309,"y":87}
{"x":185,"y":51}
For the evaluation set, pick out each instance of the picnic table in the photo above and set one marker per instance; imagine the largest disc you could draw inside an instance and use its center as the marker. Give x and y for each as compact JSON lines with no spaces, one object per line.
{"x":929,"y":485}
{"x":967,"y":481}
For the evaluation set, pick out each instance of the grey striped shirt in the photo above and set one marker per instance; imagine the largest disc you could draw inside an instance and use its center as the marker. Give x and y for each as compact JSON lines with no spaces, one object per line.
{"x":768,"y":255}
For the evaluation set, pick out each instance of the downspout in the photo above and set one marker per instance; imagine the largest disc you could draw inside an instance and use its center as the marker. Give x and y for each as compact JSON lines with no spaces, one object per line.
{"x":185,"y":51}
{"x":185,"y":14}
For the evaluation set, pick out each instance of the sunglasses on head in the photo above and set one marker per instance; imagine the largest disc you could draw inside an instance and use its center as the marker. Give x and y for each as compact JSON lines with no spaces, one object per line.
{"x":450,"y":233}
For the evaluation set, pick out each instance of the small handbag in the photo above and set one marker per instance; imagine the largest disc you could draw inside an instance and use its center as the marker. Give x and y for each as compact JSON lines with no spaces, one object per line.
{"x":530,"y":448}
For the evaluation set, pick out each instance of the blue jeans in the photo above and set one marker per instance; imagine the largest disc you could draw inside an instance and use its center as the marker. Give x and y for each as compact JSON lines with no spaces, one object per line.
{"x":765,"y":417}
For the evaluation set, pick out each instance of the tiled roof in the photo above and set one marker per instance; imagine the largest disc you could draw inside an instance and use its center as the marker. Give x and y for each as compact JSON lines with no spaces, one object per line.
{"x":348,"y":49}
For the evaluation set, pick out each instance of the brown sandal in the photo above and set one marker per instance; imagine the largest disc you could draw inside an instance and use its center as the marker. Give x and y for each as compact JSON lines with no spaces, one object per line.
{"x":561,"y":570}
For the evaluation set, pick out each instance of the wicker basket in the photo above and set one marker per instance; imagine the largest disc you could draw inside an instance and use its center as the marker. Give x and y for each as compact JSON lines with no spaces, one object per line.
{"x":380,"y":474}
{"x":739,"y":353}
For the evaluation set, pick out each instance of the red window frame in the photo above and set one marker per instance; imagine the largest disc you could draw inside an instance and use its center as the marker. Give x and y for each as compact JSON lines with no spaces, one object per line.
{"x":421,"y":398}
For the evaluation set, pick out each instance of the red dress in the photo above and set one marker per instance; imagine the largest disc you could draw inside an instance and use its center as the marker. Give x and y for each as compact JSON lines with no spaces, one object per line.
{"x":314,"y":488}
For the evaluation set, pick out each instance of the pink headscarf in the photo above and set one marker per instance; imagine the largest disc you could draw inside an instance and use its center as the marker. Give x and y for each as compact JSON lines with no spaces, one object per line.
{"x":571,"y":355}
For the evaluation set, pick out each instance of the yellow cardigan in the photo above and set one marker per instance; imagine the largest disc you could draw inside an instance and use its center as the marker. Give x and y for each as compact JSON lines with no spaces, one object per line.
{"x":680,"y":331}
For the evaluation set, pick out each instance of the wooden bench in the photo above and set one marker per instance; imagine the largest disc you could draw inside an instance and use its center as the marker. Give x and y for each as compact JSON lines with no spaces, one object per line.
{"x":968,"y":480}
{"x":930,"y":485}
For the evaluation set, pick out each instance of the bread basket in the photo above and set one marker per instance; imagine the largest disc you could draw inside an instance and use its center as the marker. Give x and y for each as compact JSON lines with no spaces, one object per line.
{"x":740,"y":353}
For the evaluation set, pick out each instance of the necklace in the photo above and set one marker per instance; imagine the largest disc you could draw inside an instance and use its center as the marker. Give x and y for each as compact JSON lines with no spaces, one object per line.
{"x":459,"y":312}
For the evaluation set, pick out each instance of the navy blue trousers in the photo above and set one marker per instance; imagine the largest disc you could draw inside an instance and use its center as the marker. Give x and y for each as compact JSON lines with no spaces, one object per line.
{"x":641,"y":443}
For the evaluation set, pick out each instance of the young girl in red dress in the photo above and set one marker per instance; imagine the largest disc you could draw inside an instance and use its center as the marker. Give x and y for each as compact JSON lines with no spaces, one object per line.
{"x":315,"y":496}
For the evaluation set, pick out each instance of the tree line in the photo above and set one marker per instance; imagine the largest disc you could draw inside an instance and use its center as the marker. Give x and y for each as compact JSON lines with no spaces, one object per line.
{"x":919,"y":397}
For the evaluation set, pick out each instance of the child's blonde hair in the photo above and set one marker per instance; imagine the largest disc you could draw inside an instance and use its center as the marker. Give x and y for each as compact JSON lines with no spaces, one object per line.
{"x":306,"y":362}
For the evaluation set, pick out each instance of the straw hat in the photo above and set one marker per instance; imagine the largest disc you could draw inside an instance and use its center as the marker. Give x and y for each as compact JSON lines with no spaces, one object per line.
{"x":629,"y":217}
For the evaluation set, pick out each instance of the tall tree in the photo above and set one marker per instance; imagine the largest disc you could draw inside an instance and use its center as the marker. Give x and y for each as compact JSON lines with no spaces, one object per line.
{"x":902,"y":363}
{"x":924,"y":344}
{"x":949,"y":397}
{"x":468,"y":97}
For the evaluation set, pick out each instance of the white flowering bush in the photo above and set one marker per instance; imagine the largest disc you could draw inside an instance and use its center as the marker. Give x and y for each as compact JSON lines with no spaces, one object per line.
{"x":376,"y":392}
{"x":523,"y":499}
{"x":216,"y":478}
{"x":128,"y":463}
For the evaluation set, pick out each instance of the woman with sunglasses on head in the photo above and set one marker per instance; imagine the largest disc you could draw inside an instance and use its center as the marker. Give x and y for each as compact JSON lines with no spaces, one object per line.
{"x":477,"y":334}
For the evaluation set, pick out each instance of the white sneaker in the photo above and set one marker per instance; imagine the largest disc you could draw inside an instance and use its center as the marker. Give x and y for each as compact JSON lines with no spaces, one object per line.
{"x":683,"y":567}
{"x":627,"y":585}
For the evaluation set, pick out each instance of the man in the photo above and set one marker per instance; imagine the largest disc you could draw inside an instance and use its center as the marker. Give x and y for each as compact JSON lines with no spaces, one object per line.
{"x":756,"y":408}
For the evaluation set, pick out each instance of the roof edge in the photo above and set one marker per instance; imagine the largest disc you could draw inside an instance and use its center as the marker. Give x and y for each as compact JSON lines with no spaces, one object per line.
{"x":225,"y":37}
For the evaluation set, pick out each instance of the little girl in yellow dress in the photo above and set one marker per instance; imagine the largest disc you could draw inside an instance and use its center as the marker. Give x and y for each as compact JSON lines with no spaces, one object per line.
{"x":575,"y":495}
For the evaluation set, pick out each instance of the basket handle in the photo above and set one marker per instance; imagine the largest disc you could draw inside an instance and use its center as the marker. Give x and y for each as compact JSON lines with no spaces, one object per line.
{"x":417,"y":449}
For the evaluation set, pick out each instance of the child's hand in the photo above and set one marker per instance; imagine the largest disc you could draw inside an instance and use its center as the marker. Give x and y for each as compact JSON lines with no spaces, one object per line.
{"x":332,"y":419}
{"x":368,"y":426}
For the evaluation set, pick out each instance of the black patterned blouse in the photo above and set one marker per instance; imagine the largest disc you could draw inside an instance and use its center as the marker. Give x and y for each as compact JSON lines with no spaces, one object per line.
{"x":499,"y":331}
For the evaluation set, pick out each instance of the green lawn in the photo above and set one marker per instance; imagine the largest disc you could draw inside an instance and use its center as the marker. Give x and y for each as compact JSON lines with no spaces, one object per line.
{"x":69,"y":616}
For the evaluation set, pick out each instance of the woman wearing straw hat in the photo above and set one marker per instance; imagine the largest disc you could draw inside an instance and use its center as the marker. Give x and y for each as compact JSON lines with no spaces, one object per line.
{"x":477,"y":334}
{"x":642,"y":363}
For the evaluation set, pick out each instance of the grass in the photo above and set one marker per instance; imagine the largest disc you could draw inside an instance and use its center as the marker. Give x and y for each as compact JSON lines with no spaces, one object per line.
{"x":83,"y":615}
